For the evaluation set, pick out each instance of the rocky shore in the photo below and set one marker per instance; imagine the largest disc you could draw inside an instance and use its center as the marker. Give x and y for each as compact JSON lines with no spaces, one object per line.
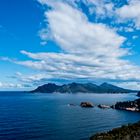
{"x":86,"y":104}
{"x":128,"y":132}
{"x":128,"y":105}
{"x":90,"y":105}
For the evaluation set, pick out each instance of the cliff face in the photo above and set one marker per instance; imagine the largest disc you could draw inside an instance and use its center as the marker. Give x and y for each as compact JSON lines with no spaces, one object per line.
{"x":129,"y":132}
{"x":81,"y":88}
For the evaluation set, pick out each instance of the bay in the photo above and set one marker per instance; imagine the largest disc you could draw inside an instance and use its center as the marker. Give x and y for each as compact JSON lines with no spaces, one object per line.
{"x":25,"y":116}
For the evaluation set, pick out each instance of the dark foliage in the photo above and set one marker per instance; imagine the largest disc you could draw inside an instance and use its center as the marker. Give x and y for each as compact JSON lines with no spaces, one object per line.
{"x":128,"y":132}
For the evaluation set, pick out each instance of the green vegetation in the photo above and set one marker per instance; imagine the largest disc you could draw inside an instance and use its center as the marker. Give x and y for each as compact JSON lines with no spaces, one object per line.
{"x":128,"y":132}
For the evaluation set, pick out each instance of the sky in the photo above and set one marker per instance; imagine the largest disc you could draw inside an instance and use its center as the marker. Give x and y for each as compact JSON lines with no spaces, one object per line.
{"x":63,"y":41}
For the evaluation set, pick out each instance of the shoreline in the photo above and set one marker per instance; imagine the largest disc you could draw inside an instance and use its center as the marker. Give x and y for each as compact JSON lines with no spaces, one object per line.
{"x":125,"y":132}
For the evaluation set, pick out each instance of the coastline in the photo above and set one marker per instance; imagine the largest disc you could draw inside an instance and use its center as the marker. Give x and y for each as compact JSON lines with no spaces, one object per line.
{"x":125,"y":132}
{"x":43,"y":105}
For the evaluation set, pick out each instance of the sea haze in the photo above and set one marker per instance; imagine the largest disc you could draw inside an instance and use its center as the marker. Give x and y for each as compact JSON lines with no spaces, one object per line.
{"x":49,"y":117}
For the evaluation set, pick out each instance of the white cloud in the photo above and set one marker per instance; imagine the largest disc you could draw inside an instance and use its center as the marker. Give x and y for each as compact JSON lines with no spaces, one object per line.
{"x":0,"y":84}
{"x":130,"y":12}
{"x":73,"y":66}
{"x":10,"y":85}
{"x":88,"y":50}
{"x":129,"y":85}
{"x":71,"y":29}
{"x":101,"y":8}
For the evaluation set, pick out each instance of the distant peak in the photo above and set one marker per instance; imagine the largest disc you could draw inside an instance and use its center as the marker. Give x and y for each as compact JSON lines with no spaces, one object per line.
{"x":105,"y":83}
{"x":51,"y":84}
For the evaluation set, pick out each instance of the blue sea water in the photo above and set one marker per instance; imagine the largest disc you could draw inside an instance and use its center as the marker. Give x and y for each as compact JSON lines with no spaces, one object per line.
{"x":25,"y":116}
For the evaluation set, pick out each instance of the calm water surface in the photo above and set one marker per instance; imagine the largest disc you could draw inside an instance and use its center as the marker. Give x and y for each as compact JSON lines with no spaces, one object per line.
{"x":26,"y":116}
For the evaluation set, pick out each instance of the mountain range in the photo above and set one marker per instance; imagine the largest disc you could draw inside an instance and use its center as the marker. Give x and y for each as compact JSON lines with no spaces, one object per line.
{"x":80,"y":88}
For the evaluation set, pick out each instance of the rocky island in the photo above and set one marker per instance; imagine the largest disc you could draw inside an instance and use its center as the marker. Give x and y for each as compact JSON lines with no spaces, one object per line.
{"x":104,"y":106}
{"x":80,"y":88}
{"x":86,"y":104}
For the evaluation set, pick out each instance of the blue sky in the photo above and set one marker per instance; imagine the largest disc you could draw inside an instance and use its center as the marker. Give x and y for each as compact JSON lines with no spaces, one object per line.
{"x":63,"y":41}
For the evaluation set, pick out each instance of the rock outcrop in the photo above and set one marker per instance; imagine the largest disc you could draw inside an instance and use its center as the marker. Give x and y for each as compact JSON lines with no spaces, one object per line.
{"x":103,"y":106}
{"x":86,"y":104}
{"x":128,"y":105}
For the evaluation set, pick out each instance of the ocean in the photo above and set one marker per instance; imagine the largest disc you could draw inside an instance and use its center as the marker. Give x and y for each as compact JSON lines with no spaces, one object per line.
{"x":26,"y":116}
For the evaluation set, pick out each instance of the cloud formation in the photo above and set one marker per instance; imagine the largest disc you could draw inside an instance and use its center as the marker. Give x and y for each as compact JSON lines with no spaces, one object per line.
{"x":10,"y":85}
{"x":88,"y":50}
{"x":130,"y":12}
{"x":72,"y":31}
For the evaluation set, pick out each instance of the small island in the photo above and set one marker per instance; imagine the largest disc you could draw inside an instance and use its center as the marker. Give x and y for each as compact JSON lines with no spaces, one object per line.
{"x":86,"y":104}
{"x":104,"y":106}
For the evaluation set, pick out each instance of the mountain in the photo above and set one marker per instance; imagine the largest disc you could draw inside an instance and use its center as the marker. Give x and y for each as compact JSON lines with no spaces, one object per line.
{"x":80,"y":88}
{"x":113,"y":89}
{"x":47,"y":88}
